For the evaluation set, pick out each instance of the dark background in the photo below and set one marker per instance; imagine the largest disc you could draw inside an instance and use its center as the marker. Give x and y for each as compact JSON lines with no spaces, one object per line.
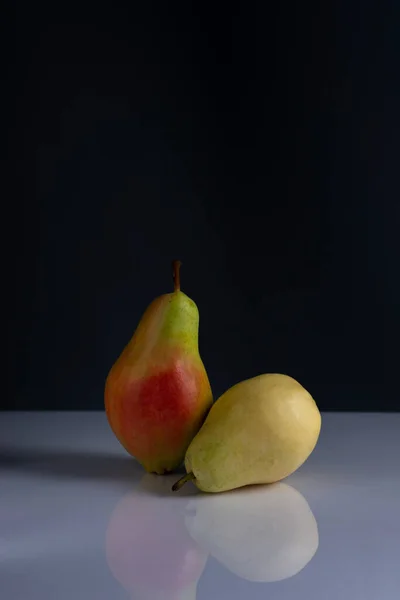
{"x":258,"y":144}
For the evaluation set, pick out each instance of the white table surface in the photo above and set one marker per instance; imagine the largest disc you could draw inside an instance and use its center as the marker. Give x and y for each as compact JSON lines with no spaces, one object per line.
{"x":79,"y":519}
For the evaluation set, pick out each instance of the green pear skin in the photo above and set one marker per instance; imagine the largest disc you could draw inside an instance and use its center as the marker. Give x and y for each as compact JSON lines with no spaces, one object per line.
{"x":157,"y":393}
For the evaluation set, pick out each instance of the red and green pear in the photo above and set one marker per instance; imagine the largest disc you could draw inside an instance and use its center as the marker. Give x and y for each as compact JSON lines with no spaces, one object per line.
{"x":157,"y":393}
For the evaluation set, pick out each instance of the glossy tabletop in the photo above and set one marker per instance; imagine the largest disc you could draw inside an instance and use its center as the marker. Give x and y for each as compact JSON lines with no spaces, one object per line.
{"x":79,"y":519}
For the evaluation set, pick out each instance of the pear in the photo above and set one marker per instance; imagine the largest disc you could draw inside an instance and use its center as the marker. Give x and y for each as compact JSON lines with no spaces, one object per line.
{"x":260,"y":534}
{"x":259,"y":431}
{"x":157,"y":393}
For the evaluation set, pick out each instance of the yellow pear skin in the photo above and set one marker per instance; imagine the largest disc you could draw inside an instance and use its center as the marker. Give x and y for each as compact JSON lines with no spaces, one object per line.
{"x":259,"y":431}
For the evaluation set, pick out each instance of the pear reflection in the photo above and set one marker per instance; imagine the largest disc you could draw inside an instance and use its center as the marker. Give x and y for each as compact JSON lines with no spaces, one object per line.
{"x":262,"y":534}
{"x":148,"y":548}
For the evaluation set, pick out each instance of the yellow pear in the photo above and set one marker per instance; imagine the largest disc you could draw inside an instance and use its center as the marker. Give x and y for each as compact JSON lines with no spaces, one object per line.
{"x":259,"y":431}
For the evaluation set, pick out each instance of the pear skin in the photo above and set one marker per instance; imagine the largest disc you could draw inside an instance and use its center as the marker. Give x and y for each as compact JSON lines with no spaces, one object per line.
{"x":259,"y":431}
{"x":157,"y":393}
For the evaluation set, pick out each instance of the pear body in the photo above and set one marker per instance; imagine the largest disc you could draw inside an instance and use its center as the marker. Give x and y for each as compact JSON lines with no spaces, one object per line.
{"x":259,"y":431}
{"x":157,"y":393}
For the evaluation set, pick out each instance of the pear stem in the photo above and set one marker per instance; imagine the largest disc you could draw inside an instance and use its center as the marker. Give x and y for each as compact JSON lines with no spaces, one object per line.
{"x":181,"y":482}
{"x":176,"y":265}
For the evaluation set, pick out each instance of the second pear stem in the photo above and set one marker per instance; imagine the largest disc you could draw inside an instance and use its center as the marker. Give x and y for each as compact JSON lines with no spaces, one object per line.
{"x":181,"y":482}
